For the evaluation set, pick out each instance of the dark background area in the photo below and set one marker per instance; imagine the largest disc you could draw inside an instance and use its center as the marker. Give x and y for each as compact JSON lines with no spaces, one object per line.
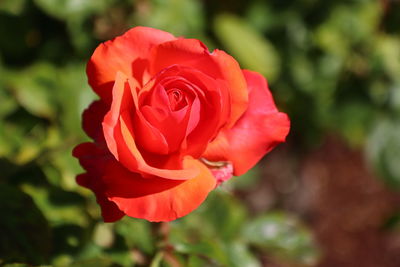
{"x":327,"y":197}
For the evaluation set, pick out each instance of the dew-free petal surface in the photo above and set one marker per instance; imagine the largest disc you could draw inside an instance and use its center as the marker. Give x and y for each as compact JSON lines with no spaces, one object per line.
{"x":127,"y":53}
{"x":257,"y":132}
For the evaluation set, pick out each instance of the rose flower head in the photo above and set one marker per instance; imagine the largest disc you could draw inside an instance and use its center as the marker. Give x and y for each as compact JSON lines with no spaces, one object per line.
{"x":173,"y":121}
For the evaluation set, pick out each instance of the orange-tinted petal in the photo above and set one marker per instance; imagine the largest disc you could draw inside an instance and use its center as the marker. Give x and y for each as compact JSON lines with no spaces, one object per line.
{"x":174,"y":199}
{"x":120,"y":192}
{"x":127,"y":53}
{"x":257,"y":132}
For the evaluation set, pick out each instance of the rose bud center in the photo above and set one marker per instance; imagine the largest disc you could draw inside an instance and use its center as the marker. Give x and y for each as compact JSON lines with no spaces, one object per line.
{"x":176,"y":99}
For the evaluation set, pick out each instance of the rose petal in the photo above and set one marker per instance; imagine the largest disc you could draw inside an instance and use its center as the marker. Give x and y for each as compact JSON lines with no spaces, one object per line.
{"x":89,"y":155}
{"x":127,"y":53}
{"x":109,"y":210}
{"x":257,"y":132}
{"x":174,"y":199}
{"x":121,"y":192}
{"x":171,"y":124}
{"x":92,"y":118}
{"x":206,"y":118}
{"x":93,"y":159}
{"x":120,"y":139}
{"x":218,"y":65}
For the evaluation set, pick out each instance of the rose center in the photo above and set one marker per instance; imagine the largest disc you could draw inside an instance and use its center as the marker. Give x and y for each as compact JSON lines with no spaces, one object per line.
{"x":176,"y":99}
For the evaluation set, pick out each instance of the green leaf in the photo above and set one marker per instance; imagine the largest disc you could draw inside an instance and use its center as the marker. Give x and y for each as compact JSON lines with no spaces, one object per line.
{"x":220,"y":216}
{"x":247,"y":180}
{"x":208,"y":231}
{"x":16,"y":265}
{"x":95,"y":262}
{"x":383,"y":146}
{"x":240,"y":255}
{"x":302,"y":72}
{"x":180,"y":17}
{"x":137,"y":233}
{"x":260,"y":15}
{"x":212,"y":250}
{"x":395,"y":98}
{"x":196,"y":261}
{"x":348,"y":25}
{"x":156,"y":262}
{"x":283,"y":237}
{"x":73,"y":95}
{"x":352,"y":120}
{"x":387,"y":49}
{"x":14,"y":7}
{"x":226,"y":214}
{"x":103,"y":235}
{"x":34,"y":88}
{"x":64,"y":9}
{"x":59,"y":206}
{"x":251,"y":49}
{"x":8,"y":103}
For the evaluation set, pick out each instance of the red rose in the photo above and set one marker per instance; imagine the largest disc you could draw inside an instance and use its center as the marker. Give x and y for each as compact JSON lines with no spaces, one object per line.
{"x":172,"y":122}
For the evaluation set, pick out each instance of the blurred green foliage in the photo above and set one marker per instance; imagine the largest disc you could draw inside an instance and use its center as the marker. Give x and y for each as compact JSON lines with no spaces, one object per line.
{"x":334,"y":66}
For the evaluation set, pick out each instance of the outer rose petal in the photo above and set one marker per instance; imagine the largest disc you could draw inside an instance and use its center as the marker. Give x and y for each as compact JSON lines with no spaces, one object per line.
{"x":257,"y":132}
{"x":218,"y":65}
{"x":109,"y":210}
{"x":174,"y":199}
{"x":119,"y":191}
{"x":127,"y":53}
{"x":92,"y":118}
{"x":93,"y":159}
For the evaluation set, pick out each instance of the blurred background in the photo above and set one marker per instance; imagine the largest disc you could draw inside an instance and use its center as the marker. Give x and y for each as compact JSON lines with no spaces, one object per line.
{"x":327,"y":197}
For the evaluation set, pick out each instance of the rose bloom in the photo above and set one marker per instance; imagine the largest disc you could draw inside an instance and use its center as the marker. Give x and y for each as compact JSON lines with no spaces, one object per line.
{"x":173,"y":121}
